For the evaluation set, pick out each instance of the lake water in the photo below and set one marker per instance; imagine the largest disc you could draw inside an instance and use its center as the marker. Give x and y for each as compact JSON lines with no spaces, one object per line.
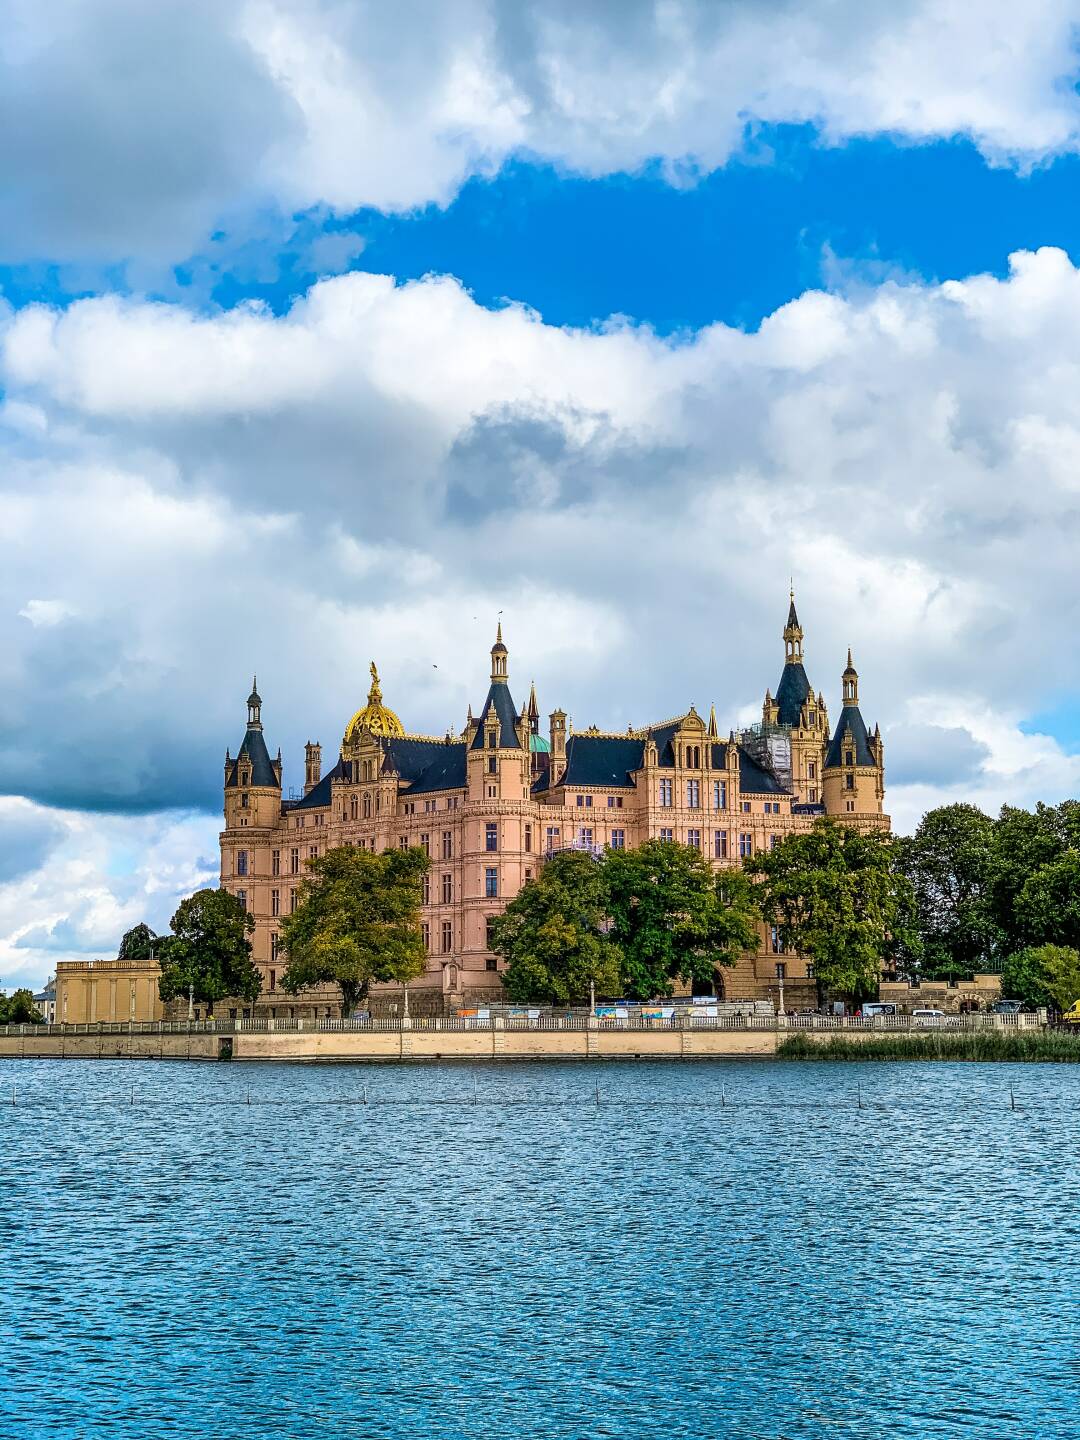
{"x":715,"y":1249}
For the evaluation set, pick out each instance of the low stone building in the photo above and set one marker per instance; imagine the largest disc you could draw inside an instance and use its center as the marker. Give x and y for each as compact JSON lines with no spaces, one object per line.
{"x":107,"y":990}
{"x":978,"y":993}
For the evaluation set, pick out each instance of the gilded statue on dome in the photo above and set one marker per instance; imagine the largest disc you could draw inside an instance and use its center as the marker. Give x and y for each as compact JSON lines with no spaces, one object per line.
{"x":375,"y":718}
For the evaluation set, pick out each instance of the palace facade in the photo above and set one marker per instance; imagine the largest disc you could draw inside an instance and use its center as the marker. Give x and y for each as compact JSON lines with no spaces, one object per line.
{"x":490,"y":803}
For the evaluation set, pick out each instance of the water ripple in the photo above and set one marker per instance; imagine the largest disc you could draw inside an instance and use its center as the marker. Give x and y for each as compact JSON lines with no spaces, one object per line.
{"x":761,"y":1251}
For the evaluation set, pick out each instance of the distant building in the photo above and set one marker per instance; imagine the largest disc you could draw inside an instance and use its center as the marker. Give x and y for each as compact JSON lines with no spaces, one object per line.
{"x":45,"y":1001}
{"x":490,"y":803}
{"x":110,"y":990}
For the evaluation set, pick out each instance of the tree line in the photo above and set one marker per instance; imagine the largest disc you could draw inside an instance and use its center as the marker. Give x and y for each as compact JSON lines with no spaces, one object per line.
{"x":997,"y":895}
{"x":964,"y":893}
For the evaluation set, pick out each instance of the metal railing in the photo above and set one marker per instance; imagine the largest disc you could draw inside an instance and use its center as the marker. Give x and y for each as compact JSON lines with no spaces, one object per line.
{"x":683,"y":1019}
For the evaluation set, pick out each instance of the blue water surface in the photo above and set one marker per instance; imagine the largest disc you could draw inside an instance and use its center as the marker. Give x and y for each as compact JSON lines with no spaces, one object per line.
{"x":744,"y":1249}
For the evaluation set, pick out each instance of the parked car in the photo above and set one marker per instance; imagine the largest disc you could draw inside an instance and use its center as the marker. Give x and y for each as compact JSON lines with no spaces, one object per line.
{"x":928,"y":1017}
{"x":1007,"y":1007}
{"x":1072,"y":1015}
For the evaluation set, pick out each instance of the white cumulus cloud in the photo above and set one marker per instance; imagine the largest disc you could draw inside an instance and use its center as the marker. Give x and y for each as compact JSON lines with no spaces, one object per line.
{"x":129,"y":130}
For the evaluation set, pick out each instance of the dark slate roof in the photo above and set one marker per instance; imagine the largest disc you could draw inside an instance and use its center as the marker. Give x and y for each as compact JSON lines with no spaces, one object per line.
{"x":446,"y":769}
{"x":504,"y":709}
{"x":791,"y":693}
{"x":319,"y":795}
{"x":426,"y":765}
{"x":602,"y":759}
{"x":754,"y":779}
{"x":663,"y":736}
{"x":412,"y":757}
{"x":262,"y":768}
{"x":849,"y":728}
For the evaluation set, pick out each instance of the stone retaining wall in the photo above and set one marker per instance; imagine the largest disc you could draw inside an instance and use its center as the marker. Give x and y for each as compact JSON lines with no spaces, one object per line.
{"x":373,"y":1046}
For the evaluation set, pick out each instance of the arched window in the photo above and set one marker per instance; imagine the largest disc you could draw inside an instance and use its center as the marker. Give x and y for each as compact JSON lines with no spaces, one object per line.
{"x":367,"y":806}
{"x":353,"y":808}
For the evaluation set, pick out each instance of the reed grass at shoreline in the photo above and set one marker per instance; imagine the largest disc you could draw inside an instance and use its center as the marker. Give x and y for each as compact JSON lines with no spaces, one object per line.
{"x":1027,"y":1045}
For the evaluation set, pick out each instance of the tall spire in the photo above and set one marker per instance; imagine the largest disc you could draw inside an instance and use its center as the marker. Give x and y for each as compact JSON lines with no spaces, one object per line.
{"x":713,"y":732}
{"x":533,"y":710}
{"x":793,"y":635}
{"x":254,"y":706}
{"x":851,"y":682}
{"x":498,"y":658}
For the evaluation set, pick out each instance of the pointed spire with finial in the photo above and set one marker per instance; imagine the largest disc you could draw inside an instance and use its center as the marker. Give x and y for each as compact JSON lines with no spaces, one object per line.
{"x":254,"y":705}
{"x":498,"y":658}
{"x":793,"y":635}
{"x":713,"y":732}
{"x":851,"y":682}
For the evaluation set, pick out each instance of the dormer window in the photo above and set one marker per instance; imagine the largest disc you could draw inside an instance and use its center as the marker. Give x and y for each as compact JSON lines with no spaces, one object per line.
{"x":849,"y":758}
{"x":492,"y":740}
{"x":245,"y":777}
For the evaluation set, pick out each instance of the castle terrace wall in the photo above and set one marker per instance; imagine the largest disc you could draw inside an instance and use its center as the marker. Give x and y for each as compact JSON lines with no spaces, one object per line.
{"x":332,"y":1041}
{"x":365,"y":1046}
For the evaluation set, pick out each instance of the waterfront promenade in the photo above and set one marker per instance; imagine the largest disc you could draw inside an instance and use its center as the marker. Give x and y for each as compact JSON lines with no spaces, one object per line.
{"x":571,"y":1037}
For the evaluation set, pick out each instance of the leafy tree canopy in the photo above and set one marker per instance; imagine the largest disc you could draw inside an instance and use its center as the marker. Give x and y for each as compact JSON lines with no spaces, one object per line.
{"x":137,"y":943}
{"x":1047,"y":907}
{"x":949,"y":862}
{"x":1025,"y":842}
{"x":672,"y":919}
{"x":357,"y":920}
{"x":209,"y":949}
{"x":837,"y":896}
{"x":553,"y":935}
{"x":1042,"y":975}
{"x":18,"y":1008}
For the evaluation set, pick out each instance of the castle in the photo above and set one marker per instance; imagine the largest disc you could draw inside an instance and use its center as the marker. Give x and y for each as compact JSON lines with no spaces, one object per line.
{"x":491,"y":804}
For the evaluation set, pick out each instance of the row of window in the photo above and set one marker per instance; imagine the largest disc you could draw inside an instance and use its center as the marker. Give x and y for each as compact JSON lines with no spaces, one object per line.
{"x":693,"y":794}
{"x":614,"y":802}
{"x":245,"y":860}
{"x":430,"y":806}
{"x":585,"y":836}
{"x":781,"y":969}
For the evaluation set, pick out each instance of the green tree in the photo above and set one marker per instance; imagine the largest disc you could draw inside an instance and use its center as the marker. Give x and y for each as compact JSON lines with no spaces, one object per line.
{"x":837,"y":896}
{"x":1047,"y":907}
{"x":18,"y":1008}
{"x":1042,"y":975}
{"x":209,"y":949}
{"x":553,"y":935}
{"x":1025,"y":842}
{"x":138,"y":943}
{"x":949,"y":862}
{"x":672,"y":919}
{"x":357,"y":921}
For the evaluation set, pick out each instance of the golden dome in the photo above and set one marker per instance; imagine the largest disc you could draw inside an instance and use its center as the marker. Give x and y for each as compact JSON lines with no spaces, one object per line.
{"x":376,"y":718}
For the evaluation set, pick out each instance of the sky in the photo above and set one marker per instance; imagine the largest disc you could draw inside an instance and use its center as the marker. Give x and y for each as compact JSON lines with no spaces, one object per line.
{"x":330,"y":331}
